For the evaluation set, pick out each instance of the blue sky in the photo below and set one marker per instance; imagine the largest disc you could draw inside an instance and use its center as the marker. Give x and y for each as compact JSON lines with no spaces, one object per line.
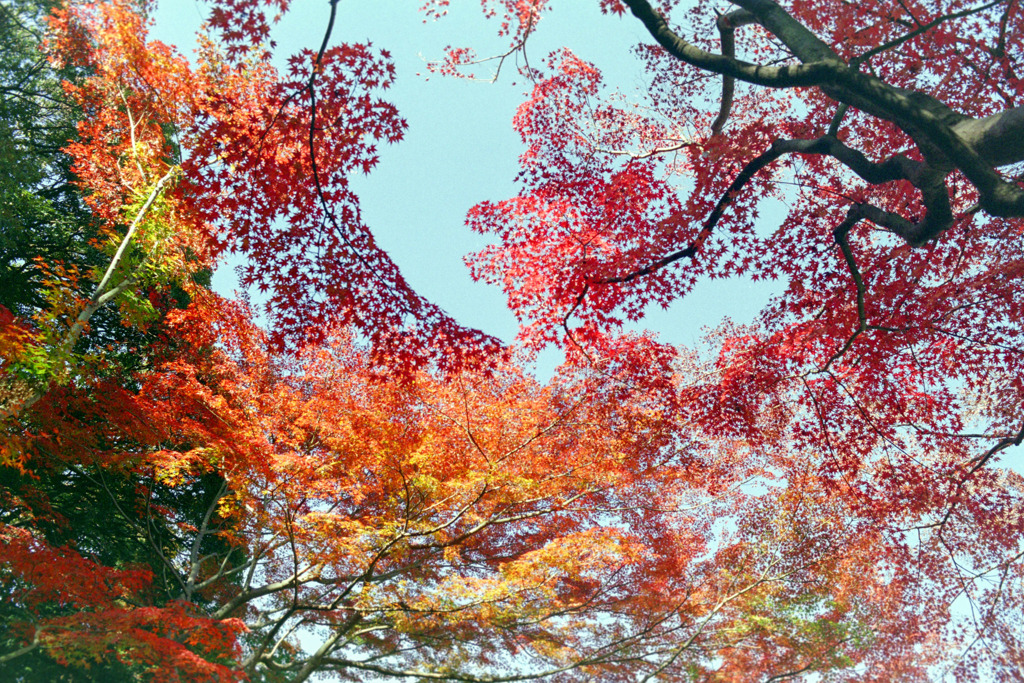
{"x":460,"y":147}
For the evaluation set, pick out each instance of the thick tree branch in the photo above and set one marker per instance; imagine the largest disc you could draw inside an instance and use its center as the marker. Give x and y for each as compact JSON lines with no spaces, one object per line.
{"x":807,"y":47}
{"x":793,"y":75}
{"x":727,"y":25}
{"x":947,"y":138}
{"x":998,"y":138}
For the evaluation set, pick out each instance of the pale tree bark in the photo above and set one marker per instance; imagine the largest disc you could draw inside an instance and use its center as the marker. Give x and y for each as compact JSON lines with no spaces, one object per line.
{"x":18,"y":395}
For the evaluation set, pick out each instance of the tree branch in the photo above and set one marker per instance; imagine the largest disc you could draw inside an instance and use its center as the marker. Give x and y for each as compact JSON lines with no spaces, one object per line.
{"x":947,"y":138}
{"x":792,"y":75}
{"x":727,"y":25}
{"x":101,"y":295}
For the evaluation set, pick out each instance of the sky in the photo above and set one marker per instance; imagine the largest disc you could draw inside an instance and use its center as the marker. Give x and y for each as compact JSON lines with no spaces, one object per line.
{"x":460,"y":147}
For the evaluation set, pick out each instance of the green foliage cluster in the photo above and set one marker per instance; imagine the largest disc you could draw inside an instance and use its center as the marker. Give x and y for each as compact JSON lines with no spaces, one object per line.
{"x":43,"y":222}
{"x":42,"y":213}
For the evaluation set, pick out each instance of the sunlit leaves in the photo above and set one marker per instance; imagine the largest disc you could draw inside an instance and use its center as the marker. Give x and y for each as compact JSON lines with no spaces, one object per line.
{"x":808,"y":493}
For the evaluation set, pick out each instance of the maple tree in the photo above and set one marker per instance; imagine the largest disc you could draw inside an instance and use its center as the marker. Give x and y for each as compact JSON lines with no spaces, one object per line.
{"x":453,"y":528}
{"x":883,"y":144}
{"x":372,"y":491}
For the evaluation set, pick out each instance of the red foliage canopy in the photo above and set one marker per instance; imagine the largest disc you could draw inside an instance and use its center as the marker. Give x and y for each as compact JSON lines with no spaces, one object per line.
{"x":812,"y":492}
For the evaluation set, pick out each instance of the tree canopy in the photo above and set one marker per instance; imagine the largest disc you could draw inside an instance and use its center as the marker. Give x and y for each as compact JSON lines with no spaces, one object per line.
{"x":367,"y":489}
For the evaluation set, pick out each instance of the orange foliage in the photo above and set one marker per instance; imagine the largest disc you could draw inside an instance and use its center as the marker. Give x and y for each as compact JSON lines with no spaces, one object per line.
{"x":372,"y":490}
